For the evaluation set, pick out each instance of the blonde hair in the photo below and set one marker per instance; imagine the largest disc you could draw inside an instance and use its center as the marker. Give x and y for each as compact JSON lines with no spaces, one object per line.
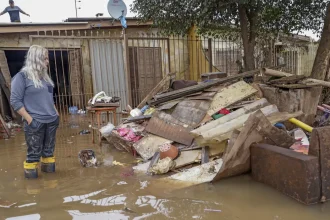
{"x":35,"y":68}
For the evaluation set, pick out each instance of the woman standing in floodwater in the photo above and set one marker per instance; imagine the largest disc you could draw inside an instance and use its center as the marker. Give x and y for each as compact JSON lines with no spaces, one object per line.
{"x":32,"y":98}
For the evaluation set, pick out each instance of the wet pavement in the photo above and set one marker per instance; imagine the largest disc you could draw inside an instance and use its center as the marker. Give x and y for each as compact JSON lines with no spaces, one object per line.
{"x":113,"y":191}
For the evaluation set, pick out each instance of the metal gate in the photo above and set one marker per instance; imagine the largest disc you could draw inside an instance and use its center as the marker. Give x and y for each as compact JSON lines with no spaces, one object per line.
{"x":83,"y":64}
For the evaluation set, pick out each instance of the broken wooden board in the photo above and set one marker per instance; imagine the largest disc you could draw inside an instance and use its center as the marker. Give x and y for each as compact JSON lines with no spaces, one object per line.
{"x":171,"y":132}
{"x":230,"y":95}
{"x":295,"y":86}
{"x":187,"y":157}
{"x":288,"y":80}
{"x":191,"y":112}
{"x":236,"y":159}
{"x":229,"y":126}
{"x":149,"y":145}
{"x":273,"y":135}
{"x":273,"y":118}
{"x":158,"y":88}
{"x":248,"y":108}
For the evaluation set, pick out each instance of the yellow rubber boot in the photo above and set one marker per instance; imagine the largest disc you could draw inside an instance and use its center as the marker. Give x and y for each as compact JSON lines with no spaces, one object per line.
{"x":48,"y":165}
{"x":31,"y":170}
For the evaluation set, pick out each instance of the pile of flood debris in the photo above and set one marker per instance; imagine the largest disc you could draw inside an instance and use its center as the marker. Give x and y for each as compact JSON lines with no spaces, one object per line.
{"x":204,"y":131}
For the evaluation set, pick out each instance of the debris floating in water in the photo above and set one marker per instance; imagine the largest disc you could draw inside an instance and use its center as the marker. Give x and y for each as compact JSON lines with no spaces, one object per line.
{"x":87,"y":158}
{"x":84,"y":132}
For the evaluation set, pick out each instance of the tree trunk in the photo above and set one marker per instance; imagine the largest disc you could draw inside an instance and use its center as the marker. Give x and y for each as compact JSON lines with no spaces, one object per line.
{"x":319,"y":71}
{"x":248,"y":37}
{"x":321,"y":62}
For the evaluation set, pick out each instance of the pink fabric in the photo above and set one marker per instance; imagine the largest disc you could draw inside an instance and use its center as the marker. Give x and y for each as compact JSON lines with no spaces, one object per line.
{"x":128,"y":134}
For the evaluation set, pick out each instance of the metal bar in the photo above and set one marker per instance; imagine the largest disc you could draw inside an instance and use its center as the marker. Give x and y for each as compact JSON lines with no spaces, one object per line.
{"x":64,"y":79}
{"x":210,"y":54}
{"x":127,"y":66}
{"x":134,"y":75}
{"x":56,"y":73}
{"x":169,"y":54}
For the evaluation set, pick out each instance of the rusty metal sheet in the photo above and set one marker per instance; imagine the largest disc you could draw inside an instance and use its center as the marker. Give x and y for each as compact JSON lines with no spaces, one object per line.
{"x":191,"y":112}
{"x":171,"y":132}
{"x":319,"y":147}
{"x":294,"y":174}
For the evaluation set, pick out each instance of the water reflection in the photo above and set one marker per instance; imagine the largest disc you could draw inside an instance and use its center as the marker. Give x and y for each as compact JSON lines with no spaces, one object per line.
{"x":82,"y":197}
{"x":113,"y":215}
{"x":26,"y":217}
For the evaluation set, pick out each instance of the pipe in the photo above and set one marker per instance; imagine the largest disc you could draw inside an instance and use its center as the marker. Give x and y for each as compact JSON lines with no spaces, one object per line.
{"x":301,"y":124}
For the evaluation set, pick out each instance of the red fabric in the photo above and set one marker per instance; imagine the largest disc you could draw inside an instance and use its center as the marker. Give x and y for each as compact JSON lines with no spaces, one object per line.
{"x":224,"y":111}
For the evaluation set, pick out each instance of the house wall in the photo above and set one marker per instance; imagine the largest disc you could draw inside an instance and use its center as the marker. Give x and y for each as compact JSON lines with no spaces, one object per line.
{"x":174,"y":50}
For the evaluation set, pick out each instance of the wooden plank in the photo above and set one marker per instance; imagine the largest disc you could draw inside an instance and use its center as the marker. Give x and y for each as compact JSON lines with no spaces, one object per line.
{"x":4,"y":125}
{"x":6,"y":90}
{"x":288,"y":80}
{"x":138,"y":118}
{"x":201,"y":87}
{"x":236,"y":158}
{"x":217,"y":132}
{"x":248,"y":108}
{"x":295,"y":86}
{"x":171,"y":132}
{"x":225,"y":135}
{"x":4,"y":68}
{"x":230,"y":95}
{"x":191,"y":112}
{"x":149,"y":145}
{"x":155,"y":90}
{"x":308,"y":82}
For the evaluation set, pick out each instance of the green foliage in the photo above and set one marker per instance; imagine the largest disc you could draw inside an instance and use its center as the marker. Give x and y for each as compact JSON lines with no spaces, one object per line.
{"x":221,"y":17}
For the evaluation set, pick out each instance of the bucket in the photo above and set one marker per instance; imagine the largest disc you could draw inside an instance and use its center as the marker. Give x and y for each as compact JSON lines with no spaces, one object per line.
{"x":168,"y":150}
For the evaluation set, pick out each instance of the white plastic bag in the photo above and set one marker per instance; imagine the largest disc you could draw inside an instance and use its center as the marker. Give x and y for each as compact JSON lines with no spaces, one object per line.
{"x":106,"y":130}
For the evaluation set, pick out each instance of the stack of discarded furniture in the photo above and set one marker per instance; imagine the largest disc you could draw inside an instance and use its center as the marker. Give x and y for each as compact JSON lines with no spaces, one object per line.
{"x":207,"y":132}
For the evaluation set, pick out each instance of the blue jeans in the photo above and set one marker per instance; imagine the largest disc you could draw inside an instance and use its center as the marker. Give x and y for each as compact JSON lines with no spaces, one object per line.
{"x":40,"y":139}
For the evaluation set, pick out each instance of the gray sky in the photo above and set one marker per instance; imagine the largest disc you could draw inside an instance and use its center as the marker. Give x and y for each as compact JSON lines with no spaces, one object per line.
{"x":58,"y":10}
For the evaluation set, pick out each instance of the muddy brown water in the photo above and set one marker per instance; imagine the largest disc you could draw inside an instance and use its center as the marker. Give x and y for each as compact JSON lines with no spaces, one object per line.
{"x":112,"y":192}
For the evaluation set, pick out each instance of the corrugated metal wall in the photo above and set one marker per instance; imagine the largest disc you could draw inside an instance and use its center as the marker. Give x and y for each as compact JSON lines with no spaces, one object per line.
{"x":108,"y":70}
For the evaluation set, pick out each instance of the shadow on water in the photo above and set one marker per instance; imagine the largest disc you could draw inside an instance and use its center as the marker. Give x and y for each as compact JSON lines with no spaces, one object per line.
{"x":113,"y":191}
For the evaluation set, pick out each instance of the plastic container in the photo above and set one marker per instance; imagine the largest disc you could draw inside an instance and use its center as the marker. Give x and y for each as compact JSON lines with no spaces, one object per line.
{"x":168,"y":150}
{"x":74,"y":118}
